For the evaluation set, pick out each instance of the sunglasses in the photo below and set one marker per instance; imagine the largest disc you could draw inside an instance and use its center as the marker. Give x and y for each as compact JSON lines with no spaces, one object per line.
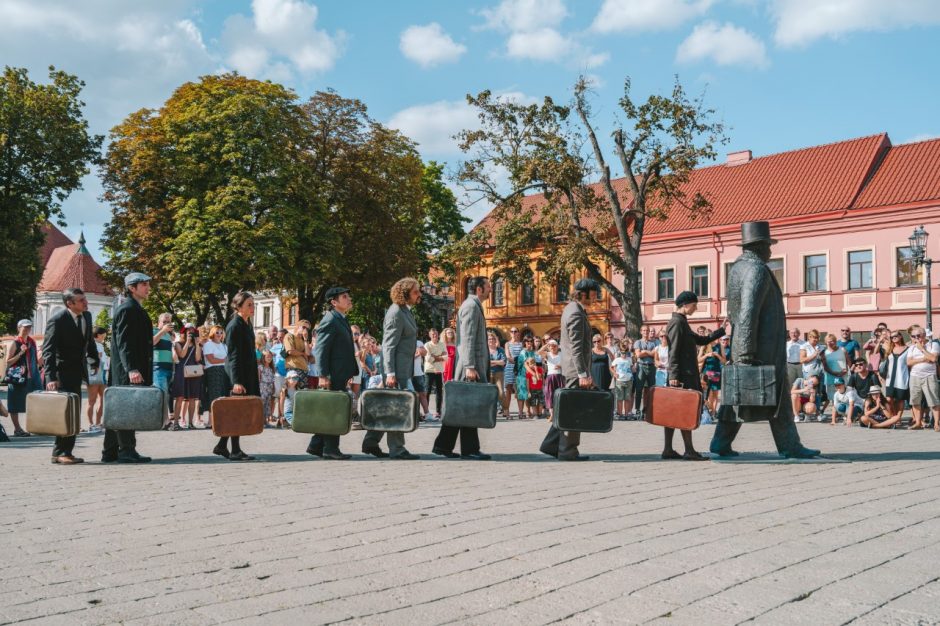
{"x":916,"y":336}
{"x":896,"y":337}
{"x":595,"y":341}
{"x":846,"y":330}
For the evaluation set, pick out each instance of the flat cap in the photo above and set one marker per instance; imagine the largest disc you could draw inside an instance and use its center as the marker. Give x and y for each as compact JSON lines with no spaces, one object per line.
{"x":335,"y":292}
{"x":24,"y":322}
{"x":135,"y":277}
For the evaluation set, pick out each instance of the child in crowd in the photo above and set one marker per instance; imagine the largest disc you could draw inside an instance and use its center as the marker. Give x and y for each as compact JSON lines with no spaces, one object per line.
{"x":803,"y":396}
{"x":622,"y":369}
{"x":534,"y":379}
{"x":286,"y":401}
{"x":876,"y":413}
{"x":266,"y":383}
{"x":845,"y":401}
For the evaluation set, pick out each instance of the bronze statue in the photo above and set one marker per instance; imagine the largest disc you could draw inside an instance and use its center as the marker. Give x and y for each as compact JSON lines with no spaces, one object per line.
{"x":758,"y":337}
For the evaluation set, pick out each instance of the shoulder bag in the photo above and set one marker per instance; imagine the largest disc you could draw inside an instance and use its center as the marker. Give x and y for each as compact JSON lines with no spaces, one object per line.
{"x":192,"y":370}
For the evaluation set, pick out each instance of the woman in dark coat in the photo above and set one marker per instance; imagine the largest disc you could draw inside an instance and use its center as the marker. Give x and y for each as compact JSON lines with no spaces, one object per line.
{"x":683,"y":365}
{"x":241,"y":365}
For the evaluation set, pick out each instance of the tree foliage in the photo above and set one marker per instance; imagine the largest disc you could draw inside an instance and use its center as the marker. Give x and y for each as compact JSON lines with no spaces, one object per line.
{"x":45,"y":150}
{"x":580,"y":224}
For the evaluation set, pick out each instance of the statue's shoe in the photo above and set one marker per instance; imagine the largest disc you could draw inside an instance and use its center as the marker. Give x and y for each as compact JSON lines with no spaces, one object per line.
{"x":722,"y":451}
{"x":800,"y":453}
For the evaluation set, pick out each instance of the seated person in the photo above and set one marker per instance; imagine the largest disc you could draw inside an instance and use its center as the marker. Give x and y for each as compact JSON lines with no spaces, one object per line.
{"x":862,"y":379}
{"x":877,"y":414}
{"x":803,"y":396}
{"x":845,"y":401}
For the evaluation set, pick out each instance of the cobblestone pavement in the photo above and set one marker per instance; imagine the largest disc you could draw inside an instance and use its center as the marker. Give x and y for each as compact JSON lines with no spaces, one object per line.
{"x":523,"y":539}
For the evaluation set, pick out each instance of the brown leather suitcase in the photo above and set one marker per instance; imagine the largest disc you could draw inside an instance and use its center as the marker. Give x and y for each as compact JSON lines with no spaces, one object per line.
{"x":53,"y":413}
{"x":237,"y":416}
{"x":672,"y":407}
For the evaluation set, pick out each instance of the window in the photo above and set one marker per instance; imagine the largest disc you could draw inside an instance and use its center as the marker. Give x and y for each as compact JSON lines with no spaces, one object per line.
{"x":527,"y":294}
{"x":292,"y":315}
{"x":814,"y":272}
{"x":906,"y":274}
{"x":563,"y":289}
{"x":499,"y":292}
{"x":266,"y":316}
{"x":860,"y":264}
{"x":776,"y":268}
{"x":639,"y":286}
{"x":698,"y":279}
{"x":666,"y":284}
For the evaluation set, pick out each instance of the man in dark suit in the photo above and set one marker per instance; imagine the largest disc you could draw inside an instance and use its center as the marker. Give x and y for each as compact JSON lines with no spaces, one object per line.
{"x":336,"y":355}
{"x":575,"y":365}
{"x":473,"y":365}
{"x":131,"y":362}
{"x":68,"y":342}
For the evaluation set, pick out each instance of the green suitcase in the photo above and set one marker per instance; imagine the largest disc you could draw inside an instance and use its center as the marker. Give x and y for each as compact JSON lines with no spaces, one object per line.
{"x":322,"y":412}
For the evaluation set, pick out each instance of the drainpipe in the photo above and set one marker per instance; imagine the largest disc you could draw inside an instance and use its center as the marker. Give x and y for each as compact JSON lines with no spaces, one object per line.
{"x":719,"y":247}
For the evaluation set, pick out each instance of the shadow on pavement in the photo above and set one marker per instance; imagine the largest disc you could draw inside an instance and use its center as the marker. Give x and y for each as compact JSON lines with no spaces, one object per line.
{"x":918,"y":455}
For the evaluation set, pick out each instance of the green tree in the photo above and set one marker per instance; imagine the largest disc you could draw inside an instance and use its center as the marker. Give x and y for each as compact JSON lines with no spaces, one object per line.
{"x":45,"y":150}
{"x":103,"y":319}
{"x":543,"y":148}
{"x":204,"y":192}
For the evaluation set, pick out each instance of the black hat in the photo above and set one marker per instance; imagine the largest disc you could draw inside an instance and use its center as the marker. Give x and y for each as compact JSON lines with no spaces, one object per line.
{"x":586,"y":285}
{"x":755,"y":232}
{"x":686,"y":297}
{"x":335,"y":292}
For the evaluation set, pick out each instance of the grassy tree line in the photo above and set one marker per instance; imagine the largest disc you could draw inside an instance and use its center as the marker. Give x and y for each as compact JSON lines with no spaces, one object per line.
{"x":236,"y":184}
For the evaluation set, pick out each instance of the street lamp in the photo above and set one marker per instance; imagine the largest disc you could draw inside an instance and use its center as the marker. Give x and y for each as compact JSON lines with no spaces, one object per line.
{"x":918,"y":241}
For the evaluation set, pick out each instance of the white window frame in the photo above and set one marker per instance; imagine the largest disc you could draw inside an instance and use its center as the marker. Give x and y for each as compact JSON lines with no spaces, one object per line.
{"x":894,"y":268}
{"x":803,"y":256}
{"x":708,"y":279}
{"x":874,"y":266}
{"x":675,"y":281}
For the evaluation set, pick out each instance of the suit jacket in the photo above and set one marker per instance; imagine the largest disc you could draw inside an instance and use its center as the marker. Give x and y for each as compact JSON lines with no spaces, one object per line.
{"x":65,"y":350}
{"x":575,"y":341}
{"x":683,"y":352}
{"x":131,"y":343}
{"x":241,"y":364}
{"x":335,"y":351}
{"x":759,"y":331}
{"x":472,"y":348}
{"x":399,"y":342}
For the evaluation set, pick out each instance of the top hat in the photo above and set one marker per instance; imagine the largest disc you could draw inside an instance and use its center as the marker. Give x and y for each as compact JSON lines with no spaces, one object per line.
{"x":755,"y":232}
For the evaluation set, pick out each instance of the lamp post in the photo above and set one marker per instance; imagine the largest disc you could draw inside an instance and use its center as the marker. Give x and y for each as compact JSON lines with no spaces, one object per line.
{"x":918,"y":241}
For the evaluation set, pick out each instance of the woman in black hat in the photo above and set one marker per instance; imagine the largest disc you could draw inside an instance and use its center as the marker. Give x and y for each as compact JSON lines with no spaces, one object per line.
{"x":683,"y":365}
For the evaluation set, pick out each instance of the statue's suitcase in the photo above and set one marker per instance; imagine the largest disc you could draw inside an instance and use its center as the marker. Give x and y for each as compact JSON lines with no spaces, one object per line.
{"x":134,"y":407}
{"x":672,"y":407}
{"x":237,"y":416}
{"x":53,"y":413}
{"x":748,"y":385}
{"x":389,"y":410}
{"x":469,"y":404}
{"x":322,"y":412}
{"x":583,"y":410}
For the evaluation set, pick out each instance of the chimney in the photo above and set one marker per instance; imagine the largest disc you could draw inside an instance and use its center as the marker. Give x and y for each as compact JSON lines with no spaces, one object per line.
{"x":738,"y":158}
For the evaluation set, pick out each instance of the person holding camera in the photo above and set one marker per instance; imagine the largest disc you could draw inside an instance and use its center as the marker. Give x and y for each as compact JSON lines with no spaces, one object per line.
{"x":187,"y":376}
{"x":163,"y":354}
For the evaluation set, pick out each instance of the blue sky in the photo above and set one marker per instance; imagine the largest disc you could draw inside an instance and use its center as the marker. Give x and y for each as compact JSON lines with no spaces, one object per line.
{"x":782,"y":74}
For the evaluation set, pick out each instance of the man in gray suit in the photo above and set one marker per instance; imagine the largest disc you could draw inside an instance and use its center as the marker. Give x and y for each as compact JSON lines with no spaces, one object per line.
{"x":399,"y":342}
{"x":575,"y":365}
{"x":473,"y":365}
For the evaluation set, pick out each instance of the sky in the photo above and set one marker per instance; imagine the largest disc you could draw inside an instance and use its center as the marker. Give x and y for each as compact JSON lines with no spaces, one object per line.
{"x":781,"y":74}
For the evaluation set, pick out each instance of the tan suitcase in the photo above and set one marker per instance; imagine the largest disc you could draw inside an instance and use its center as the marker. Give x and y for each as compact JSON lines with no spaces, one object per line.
{"x":53,"y":413}
{"x":672,"y":407}
{"x":237,"y":416}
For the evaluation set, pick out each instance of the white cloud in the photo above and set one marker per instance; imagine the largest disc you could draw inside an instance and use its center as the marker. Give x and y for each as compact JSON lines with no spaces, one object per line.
{"x":724,"y":44}
{"x":429,"y":45}
{"x":644,"y":15}
{"x":800,"y":22}
{"x":525,"y":15}
{"x":922,"y":137}
{"x":544,"y":44}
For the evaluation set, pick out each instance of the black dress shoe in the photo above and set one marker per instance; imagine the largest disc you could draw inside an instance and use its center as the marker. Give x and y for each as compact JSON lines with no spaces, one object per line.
{"x":336,"y":456}
{"x":108,"y":458}
{"x":476,"y":456}
{"x":315,"y":451}
{"x":240,"y":456}
{"x":405,"y":456}
{"x":376,"y":452}
{"x":221,"y":451}
{"x":132,"y":458}
{"x":553,"y":454}
{"x":450,"y":454}
{"x":580,"y":457}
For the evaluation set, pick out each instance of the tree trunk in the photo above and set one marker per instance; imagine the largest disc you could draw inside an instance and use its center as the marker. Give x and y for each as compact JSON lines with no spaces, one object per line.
{"x":308,"y":302}
{"x":632,"y":310}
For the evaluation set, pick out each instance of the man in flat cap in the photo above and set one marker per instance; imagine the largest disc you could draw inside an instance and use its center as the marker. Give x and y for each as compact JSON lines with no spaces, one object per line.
{"x":335,"y":353}
{"x":131,"y":362}
{"x":759,"y":330}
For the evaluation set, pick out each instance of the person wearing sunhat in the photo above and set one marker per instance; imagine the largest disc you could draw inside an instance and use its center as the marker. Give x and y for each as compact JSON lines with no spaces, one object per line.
{"x":335,"y":353}
{"x":876,"y":413}
{"x":759,"y":329}
{"x":131,"y":361}
{"x":683,"y":365}
{"x":24,"y":362}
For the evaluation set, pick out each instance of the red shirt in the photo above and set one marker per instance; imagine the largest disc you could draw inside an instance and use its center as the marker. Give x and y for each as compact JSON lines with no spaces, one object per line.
{"x":533,"y":384}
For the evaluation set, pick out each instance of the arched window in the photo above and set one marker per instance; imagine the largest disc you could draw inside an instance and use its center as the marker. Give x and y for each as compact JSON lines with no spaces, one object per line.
{"x":498,"y":297}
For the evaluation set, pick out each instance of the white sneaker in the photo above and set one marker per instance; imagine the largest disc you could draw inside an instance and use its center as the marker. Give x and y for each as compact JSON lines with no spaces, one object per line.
{"x":433,"y":418}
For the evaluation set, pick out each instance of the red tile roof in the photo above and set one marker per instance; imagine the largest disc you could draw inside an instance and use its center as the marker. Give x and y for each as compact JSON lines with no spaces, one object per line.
{"x":55,"y":238}
{"x":856,"y":173}
{"x":909,"y":173}
{"x":72,"y":266}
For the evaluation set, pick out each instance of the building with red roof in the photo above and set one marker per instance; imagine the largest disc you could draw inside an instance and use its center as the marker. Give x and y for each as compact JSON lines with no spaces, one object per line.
{"x":842,"y":214}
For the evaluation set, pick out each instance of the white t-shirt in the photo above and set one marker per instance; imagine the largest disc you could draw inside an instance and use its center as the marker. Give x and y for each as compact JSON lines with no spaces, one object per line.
{"x":926,"y":369}
{"x":103,"y":357}
{"x":419,"y":361}
{"x":663,"y":353}
{"x":554,"y":363}
{"x":793,"y":350}
{"x":624,"y":368}
{"x":218,"y":350}
{"x":844,"y":397}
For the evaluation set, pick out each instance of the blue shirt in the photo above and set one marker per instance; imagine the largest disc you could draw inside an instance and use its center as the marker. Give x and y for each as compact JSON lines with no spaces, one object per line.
{"x":851,"y":347}
{"x":280,"y":366}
